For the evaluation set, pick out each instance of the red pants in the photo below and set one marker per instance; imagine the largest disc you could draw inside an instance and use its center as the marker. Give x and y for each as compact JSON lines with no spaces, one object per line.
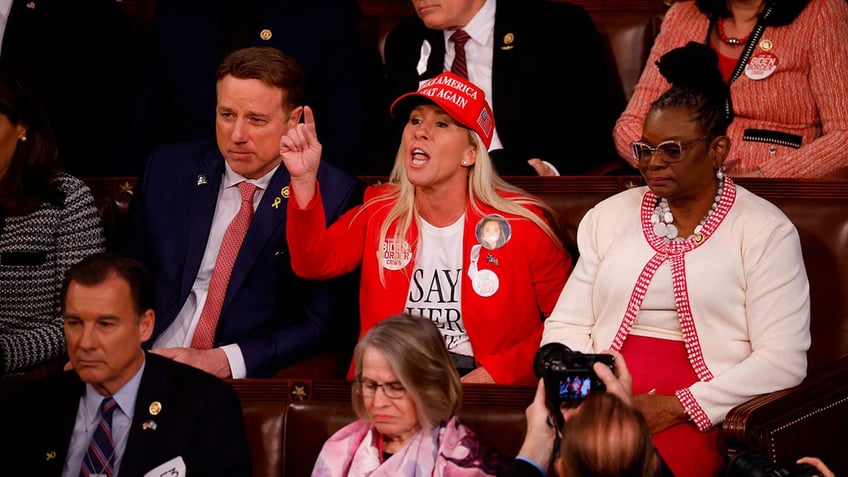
{"x":662,"y":365}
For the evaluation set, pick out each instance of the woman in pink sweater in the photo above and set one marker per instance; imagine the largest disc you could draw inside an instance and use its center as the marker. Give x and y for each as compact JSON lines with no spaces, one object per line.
{"x":788,"y":77}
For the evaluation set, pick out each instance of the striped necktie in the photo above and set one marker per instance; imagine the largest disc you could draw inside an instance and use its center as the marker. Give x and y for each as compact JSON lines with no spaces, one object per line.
{"x":459,"y":65}
{"x":100,"y":456}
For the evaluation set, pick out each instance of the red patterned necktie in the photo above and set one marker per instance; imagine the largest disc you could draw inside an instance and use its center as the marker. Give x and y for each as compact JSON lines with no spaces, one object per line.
{"x":204,"y":334}
{"x":100,"y":456}
{"x":459,"y":66}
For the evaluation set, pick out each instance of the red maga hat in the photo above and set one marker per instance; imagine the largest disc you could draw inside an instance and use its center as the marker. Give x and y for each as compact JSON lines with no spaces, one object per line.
{"x":461,"y":99}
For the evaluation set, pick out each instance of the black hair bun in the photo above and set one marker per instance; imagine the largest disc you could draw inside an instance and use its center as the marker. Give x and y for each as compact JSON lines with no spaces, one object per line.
{"x":693,"y":67}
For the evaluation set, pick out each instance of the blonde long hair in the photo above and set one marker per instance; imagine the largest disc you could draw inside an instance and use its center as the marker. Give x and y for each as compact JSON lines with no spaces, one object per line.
{"x":484,"y":185}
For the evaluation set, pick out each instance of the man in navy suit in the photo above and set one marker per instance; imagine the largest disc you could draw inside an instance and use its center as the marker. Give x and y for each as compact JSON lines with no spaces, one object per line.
{"x":542,"y":66}
{"x":169,"y":416}
{"x":190,"y":193}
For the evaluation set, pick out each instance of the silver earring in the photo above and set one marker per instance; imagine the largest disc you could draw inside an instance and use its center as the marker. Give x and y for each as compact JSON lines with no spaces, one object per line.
{"x":464,"y":163}
{"x":23,"y":138}
{"x":720,"y":173}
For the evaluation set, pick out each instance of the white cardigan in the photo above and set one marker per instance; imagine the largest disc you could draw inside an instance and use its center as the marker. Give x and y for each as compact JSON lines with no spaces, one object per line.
{"x":747,"y":327}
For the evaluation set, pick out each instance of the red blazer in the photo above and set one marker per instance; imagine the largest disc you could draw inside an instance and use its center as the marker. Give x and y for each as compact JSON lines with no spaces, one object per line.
{"x":505,"y":328}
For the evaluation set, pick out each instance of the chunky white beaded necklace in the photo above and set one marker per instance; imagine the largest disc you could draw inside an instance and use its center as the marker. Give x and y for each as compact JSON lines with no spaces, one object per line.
{"x":663,"y":219}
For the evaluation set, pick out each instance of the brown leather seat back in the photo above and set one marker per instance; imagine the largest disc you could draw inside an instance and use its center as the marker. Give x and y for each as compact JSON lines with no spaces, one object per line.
{"x":501,"y":427}
{"x":308,"y":425}
{"x":820,"y":213}
{"x":264,"y":423}
{"x":628,"y":36}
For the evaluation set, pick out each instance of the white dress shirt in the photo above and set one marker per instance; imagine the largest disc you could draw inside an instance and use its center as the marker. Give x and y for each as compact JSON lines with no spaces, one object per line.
{"x":180,"y":333}
{"x":478,"y":55}
{"x":88,"y":416}
{"x":5,"y":8}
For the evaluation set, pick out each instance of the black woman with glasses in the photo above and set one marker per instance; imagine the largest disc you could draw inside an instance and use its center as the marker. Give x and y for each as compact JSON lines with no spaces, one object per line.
{"x":406,"y":393}
{"x":697,"y":282}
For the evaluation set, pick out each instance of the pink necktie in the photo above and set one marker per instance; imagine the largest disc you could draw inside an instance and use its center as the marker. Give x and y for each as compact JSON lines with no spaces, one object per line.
{"x":459,"y":66}
{"x":204,"y":334}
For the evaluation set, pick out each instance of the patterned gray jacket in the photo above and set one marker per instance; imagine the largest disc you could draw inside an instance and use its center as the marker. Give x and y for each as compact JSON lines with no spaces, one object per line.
{"x":35,"y":251}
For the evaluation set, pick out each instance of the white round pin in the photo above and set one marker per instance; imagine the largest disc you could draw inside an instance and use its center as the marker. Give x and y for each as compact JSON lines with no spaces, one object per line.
{"x":761,"y":66}
{"x":485,"y":283}
{"x":395,"y":255}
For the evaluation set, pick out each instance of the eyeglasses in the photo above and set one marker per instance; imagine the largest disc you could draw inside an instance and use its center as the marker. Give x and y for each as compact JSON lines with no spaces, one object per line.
{"x":669,"y":151}
{"x":367,"y":388}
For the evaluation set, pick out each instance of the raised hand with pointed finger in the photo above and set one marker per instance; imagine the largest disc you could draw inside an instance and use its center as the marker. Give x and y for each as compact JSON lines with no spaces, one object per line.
{"x":301,"y":154}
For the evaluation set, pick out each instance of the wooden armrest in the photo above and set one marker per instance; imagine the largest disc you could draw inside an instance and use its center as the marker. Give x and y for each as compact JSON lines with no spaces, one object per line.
{"x":807,"y":420}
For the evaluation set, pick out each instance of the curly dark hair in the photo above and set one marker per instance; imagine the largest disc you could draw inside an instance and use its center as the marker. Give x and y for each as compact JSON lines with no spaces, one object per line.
{"x":785,"y":11}
{"x":697,"y":85}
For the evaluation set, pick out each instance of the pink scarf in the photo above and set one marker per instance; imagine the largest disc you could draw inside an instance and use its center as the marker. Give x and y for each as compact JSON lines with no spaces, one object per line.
{"x":448,"y":450}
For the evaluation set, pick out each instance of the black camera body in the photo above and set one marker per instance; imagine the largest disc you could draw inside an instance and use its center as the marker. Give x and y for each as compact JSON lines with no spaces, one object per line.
{"x":752,"y":464}
{"x":568,"y":375}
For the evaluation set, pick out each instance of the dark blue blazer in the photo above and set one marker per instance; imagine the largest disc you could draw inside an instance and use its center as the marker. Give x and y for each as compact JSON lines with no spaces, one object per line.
{"x":273,"y":315}
{"x":175,"y":100}
{"x":200,"y":420}
{"x":552,"y":92}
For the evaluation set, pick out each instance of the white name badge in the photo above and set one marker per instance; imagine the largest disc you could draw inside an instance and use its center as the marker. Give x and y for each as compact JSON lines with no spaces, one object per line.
{"x":172,"y":468}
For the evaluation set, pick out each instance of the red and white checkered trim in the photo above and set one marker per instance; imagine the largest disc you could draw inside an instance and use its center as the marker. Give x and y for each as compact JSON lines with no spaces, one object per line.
{"x":675,"y":251}
{"x":636,"y":298}
{"x":693,"y":409}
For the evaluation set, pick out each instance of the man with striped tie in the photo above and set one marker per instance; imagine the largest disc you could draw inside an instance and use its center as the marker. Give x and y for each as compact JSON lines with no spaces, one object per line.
{"x":542,"y":66}
{"x":120,"y":410}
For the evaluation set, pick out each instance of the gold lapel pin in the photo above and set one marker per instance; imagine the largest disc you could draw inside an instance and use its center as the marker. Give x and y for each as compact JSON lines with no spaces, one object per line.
{"x":285,"y":192}
{"x":508,"y":39}
{"x":155,"y":408}
{"x":51,"y":455}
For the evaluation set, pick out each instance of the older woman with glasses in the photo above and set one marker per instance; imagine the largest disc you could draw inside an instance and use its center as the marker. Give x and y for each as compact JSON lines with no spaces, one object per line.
{"x":406,"y":393}
{"x":698,"y":283}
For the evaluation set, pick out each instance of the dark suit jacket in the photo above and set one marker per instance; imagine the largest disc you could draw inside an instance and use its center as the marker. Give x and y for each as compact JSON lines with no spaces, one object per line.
{"x":520,"y":468}
{"x":76,"y":56}
{"x":200,"y":420}
{"x":189,"y":38}
{"x":552,"y":92}
{"x":274,"y":316}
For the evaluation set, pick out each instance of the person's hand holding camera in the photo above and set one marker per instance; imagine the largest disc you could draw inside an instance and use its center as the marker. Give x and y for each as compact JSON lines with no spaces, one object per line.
{"x":620,"y":383}
{"x":660,"y":412}
{"x":817,"y":464}
{"x":541,"y":431}
{"x":541,"y":437}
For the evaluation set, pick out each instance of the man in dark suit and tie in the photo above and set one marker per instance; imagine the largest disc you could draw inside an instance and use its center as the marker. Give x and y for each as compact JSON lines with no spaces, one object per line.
{"x":120,"y":409}
{"x":209,"y":222}
{"x":541,"y":64}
